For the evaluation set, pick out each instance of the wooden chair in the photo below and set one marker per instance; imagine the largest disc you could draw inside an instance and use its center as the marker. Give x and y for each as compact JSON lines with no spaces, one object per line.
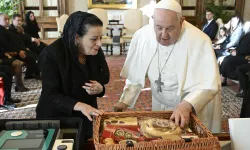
{"x":220,"y":23}
{"x":60,"y":23}
{"x":133,"y":20}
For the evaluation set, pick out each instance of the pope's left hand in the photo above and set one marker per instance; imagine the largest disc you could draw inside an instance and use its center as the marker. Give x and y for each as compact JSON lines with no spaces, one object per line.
{"x":93,"y":87}
{"x":181,"y":114}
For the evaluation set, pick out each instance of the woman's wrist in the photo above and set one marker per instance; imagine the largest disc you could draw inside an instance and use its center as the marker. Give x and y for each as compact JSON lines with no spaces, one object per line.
{"x":78,"y":106}
{"x":101,"y":89}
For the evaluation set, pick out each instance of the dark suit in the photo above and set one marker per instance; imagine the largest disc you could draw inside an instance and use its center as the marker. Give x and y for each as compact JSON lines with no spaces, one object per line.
{"x":7,"y":42}
{"x":12,"y":43}
{"x":211,"y":29}
{"x":27,"y":40}
{"x":242,"y":71}
{"x":244,"y":83}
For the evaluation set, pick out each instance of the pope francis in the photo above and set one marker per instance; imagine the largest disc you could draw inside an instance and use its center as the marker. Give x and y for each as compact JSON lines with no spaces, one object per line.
{"x":180,"y":63}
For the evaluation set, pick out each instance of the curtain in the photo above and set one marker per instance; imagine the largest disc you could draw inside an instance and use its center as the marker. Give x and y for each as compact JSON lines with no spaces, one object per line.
{"x":51,"y":34}
{"x":50,"y":13}
{"x":49,"y":3}
{"x":188,"y":12}
{"x":31,"y":2}
{"x":189,"y":2}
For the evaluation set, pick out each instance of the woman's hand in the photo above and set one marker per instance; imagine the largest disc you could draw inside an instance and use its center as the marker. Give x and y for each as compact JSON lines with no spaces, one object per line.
{"x":93,"y":87}
{"x":87,"y":110}
{"x":36,"y":41}
{"x":22,"y":54}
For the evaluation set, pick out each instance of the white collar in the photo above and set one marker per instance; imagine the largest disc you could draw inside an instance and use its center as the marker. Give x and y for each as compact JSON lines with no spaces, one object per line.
{"x":208,"y":22}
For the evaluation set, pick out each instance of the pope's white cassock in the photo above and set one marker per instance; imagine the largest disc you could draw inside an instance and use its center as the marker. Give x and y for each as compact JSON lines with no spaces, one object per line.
{"x":188,"y":71}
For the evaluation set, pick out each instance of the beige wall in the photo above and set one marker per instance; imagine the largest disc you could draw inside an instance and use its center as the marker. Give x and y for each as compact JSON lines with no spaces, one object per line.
{"x":247,"y":10}
{"x":142,"y":3}
{"x":76,"y":5}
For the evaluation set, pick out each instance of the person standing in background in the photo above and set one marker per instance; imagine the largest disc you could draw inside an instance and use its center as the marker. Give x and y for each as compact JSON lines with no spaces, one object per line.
{"x":211,"y":27}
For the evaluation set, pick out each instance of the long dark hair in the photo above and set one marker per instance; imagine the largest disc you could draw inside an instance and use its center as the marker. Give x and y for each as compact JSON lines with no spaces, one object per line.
{"x":27,"y":19}
{"x":78,"y":23}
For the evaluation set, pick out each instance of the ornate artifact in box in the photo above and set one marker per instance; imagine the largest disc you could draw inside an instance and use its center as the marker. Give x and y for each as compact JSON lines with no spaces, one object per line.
{"x":151,"y":131}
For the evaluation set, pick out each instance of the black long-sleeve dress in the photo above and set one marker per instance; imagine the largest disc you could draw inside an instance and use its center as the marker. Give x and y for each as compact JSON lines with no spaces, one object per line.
{"x":211,"y":29}
{"x":32,"y":29}
{"x":63,"y":78}
{"x":229,"y":64}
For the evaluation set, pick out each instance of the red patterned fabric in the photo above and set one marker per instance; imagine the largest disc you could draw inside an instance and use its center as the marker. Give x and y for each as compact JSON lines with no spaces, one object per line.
{"x":1,"y":92}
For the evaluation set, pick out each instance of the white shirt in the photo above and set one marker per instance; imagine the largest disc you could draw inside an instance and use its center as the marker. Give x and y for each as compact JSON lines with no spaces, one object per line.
{"x":208,"y":22}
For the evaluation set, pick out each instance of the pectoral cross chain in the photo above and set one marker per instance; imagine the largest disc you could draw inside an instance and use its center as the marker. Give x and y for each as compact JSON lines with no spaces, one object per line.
{"x":159,"y":84}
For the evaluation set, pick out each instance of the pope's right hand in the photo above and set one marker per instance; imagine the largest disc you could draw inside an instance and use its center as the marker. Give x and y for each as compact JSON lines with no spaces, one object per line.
{"x":118,"y":107}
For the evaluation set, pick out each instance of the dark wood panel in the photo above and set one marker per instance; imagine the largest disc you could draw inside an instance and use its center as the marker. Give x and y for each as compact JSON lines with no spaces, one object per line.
{"x":188,"y":7}
{"x":38,"y":8}
{"x":222,"y":136}
{"x":31,"y":8}
{"x":50,"y":29}
{"x":230,"y":8}
{"x":192,"y":19}
{"x":50,"y":8}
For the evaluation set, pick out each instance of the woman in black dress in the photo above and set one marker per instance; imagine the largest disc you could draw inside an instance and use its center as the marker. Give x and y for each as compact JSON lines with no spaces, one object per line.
{"x":32,"y":28}
{"x":74,"y":72}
